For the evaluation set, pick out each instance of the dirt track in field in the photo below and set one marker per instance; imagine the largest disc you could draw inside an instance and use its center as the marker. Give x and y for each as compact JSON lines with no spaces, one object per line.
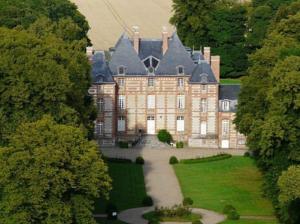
{"x":108,"y":19}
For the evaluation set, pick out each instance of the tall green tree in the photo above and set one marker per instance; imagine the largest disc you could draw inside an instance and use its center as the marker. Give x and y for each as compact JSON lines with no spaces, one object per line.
{"x":50,"y":173}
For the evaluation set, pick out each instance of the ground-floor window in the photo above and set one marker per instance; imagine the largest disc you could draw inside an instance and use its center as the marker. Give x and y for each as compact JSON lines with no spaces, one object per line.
{"x":203,"y":127}
{"x":180,"y":123}
{"x":99,"y":128}
{"x":121,"y":123}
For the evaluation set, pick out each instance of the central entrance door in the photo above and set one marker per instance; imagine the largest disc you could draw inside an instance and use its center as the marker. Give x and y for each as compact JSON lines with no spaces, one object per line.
{"x":150,"y":125}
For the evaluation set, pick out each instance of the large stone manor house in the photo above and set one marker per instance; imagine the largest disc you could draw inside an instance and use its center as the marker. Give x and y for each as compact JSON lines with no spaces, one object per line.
{"x":143,"y":85}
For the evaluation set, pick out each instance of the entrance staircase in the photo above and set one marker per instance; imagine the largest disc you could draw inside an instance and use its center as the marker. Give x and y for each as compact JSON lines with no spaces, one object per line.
{"x":151,"y":142}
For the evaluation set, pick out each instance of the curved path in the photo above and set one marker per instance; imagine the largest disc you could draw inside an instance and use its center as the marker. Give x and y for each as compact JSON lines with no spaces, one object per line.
{"x":160,"y":179}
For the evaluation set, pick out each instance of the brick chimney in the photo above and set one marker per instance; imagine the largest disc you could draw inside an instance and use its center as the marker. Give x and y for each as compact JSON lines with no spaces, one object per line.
{"x":207,"y":54}
{"x":215,"y":66}
{"x":165,"y":40}
{"x":89,"y":51}
{"x":136,"y":38}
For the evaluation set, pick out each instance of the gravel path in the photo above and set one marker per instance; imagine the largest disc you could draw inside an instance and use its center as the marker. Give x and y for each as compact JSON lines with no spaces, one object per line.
{"x":160,"y":179}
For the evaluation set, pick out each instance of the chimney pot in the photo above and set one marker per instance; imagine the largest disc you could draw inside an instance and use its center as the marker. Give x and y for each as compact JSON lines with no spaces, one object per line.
{"x":136,"y":38}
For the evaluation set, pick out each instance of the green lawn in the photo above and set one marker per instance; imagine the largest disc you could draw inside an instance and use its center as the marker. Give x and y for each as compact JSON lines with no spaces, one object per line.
{"x":230,"y":81}
{"x":234,"y":181}
{"x":245,"y":221}
{"x":128,"y":187}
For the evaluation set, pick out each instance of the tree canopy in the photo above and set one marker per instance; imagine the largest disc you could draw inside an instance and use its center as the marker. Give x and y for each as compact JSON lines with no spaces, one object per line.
{"x":50,"y":173}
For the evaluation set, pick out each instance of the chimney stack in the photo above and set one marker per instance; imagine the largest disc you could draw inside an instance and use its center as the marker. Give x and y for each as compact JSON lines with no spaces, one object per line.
{"x":215,"y":66}
{"x":89,"y":51}
{"x":136,"y":38}
{"x":165,"y":40}
{"x":207,"y":54}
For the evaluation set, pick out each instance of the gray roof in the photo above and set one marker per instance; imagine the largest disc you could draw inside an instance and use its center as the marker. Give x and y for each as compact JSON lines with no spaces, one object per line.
{"x":229,"y":92}
{"x":126,"y":56}
{"x":203,"y":69}
{"x":150,"y":48}
{"x":197,"y":56}
{"x":100,"y":70}
{"x":175,"y":56}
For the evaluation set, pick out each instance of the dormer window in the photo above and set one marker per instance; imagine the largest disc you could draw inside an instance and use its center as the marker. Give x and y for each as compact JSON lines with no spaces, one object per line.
{"x":225,"y":105}
{"x":151,"y":70}
{"x":121,"y":70}
{"x":151,"y":64}
{"x":180,"y":70}
{"x":203,"y":78}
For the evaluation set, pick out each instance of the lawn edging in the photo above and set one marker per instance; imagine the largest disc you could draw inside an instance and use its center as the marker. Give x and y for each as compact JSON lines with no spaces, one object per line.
{"x":218,"y":157}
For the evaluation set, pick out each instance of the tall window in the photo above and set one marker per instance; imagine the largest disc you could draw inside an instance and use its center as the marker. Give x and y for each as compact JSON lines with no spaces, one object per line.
{"x":225,"y":127}
{"x":100,"y":105}
{"x":121,"y":82}
{"x":121,"y":70}
{"x":203,"y":128}
{"x":121,"y":102}
{"x":180,"y":123}
{"x":180,"y":70}
{"x":150,"y":81}
{"x":225,"y":105}
{"x":203,"y":105}
{"x":121,"y":123}
{"x":180,"y":82}
{"x":180,"y":101}
{"x":204,"y":88}
{"x":99,"y":128}
{"x":151,"y":101}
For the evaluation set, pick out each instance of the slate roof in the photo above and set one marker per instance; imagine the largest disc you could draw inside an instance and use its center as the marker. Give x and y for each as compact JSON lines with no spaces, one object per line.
{"x":125,"y":55}
{"x":150,"y":48}
{"x":175,"y":56}
{"x":229,"y":92}
{"x":100,"y":70}
{"x":203,"y":69}
{"x":197,"y":56}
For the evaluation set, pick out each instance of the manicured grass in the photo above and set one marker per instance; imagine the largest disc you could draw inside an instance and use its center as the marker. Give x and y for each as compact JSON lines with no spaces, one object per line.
{"x":230,"y":81}
{"x":245,"y":221}
{"x":128,"y":187}
{"x":234,"y":181}
{"x":154,"y":218}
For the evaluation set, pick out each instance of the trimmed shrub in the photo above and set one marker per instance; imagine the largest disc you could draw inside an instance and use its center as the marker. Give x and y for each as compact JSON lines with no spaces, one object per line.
{"x":147,"y":201}
{"x":179,"y":145}
{"x":164,"y":136}
{"x":116,"y":160}
{"x":187,"y":201}
{"x":207,"y":159}
{"x":139,"y":160}
{"x":227,"y":209}
{"x":110,"y":209}
{"x":176,"y":210}
{"x":173,"y":160}
{"x":123,"y":145}
{"x":197,"y":222}
{"x":233,"y":215}
{"x":247,"y":154}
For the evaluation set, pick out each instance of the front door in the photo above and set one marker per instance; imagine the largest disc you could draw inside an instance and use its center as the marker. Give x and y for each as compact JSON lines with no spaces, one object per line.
{"x":225,"y":144}
{"x":150,"y":125}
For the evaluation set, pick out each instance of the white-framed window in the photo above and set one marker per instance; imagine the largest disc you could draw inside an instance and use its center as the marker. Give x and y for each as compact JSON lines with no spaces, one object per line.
{"x":151,"y":81}
{"x":121,"y":70}
{"x":151,"y":64}
{"x":99,"y":128}
{"x":180,"y":123}
{"x":180,"y":82}
{"x":121,"y":102}
{"x":121,"y":123}
{"x":203,"y":128}
{"x":100,"y":105}
{"x":225,"y":105}
{"x":151,"y":101}
{"x":180,"y":70}
{"x":203,"y":105}
{"x":180,"y":101}
{"x":225,"y":127}
{"x":121,"y":82}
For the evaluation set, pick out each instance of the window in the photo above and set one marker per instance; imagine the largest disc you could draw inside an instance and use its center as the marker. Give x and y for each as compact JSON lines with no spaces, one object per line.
{"x":121,"y":123}
{"x":241,"y":142}
{"x":180,"y":123}
{"x":151,"y":102}
{"x":204,"y":88}
{"x":203,"y":128}
{"x":121,"y":102}
{"x":203,"y":105}
{"x":121,"y":70}
{"x":99,"y":128}
{"x":121,"y":82}
{"x":100,"y":105}
{"x":225,"y":105}
{"x":180,"y":102}
{"x":151,"y":70}
{"x":203,"y":78}
{"x":180,"y":70}
{"x":180,"y":82}
{"x":150,"y":81}
{"x":151,"y":64}
{"x":225,"y":127}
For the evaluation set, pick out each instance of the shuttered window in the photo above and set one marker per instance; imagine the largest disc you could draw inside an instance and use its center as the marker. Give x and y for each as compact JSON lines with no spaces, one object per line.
{"x":121,"y":123}
{"x":151,"y":101}
{"x":203,"y":128}
{"x":180,"y":123}
{"x":121,"y":102}
{"x":225,"y":127}
{"x":203,"y":105}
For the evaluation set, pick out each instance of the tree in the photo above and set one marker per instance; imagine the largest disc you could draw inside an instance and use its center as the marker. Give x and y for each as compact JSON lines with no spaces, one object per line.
{"x":50,"y":173}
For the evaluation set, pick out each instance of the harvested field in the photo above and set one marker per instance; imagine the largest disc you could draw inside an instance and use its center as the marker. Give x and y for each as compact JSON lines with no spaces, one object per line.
{"x":110,"y":18}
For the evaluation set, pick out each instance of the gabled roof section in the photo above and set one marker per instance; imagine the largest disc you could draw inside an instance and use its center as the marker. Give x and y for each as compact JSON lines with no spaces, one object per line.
{"x":125,"y":55}
{"x":100,"y":71}
{"x":175,"y":56}
{"x":203,"y":69}
{"x":150,"y":48}
{"x":229,"y":92}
